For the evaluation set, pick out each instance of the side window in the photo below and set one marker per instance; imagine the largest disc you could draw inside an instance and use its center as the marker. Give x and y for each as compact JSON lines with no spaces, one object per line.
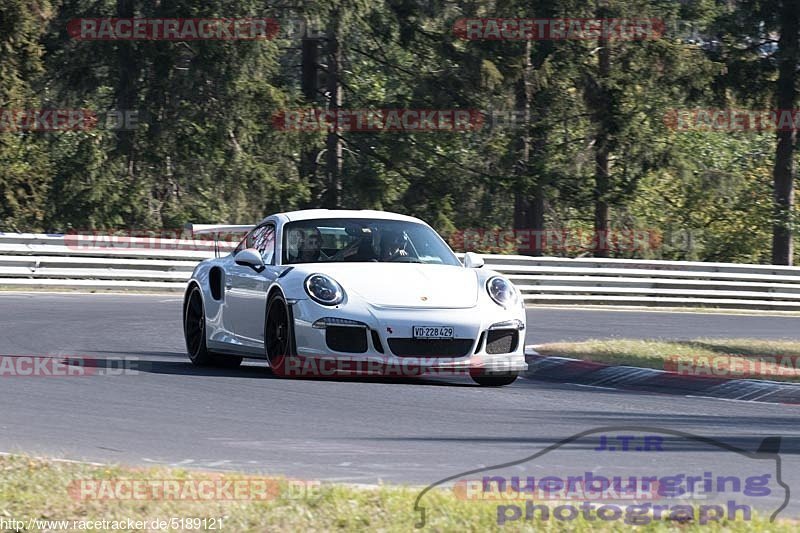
{"x":242,"y":245}
{"x":253,"y":236}
{"x":248,"y":240}
{"x":264,"y":242}
{"x":253,"y":239}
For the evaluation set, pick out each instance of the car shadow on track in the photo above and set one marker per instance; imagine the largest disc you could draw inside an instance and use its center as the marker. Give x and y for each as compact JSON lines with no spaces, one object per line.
{"x":150,"y":362}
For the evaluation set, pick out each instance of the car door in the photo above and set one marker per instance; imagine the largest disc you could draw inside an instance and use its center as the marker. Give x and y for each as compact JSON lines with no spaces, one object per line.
{"x":246,"y":289}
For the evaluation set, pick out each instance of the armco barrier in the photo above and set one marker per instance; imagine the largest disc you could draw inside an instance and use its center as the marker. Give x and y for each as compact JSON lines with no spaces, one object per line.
{"x":48,"y":261}
{"x":591,"y":281}
{"x":118,"y":263}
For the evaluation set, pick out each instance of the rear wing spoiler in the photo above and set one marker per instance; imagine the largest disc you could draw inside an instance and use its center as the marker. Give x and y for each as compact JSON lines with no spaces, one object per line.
{"x":199,"y":229}
{"x":216,"y":229}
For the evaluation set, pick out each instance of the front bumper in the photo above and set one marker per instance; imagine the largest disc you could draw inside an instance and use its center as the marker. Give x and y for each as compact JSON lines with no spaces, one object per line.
{"x":369,"y":340}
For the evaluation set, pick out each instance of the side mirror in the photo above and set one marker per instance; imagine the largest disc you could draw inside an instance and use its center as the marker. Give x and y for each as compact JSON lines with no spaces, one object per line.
{"x":473,"y":260}
{"x":250,"y":257}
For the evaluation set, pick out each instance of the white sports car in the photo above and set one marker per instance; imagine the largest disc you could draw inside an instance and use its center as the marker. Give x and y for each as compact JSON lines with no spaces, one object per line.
{"x":334,"y":292}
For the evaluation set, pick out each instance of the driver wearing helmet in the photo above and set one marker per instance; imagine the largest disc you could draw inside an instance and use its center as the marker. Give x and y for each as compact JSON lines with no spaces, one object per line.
{"x":393,"y":245}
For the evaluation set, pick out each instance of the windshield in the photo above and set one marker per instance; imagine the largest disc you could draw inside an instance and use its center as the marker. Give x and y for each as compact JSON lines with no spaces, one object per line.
{"x":363,"y":240}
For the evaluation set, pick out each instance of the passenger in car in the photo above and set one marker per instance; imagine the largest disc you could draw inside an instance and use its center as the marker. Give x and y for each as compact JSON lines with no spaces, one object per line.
{"x":311,"y":247}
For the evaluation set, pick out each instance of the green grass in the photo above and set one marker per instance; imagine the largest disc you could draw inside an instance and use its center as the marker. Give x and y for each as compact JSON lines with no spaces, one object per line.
{"x":37,"y":488}
{"x":746,"y":358}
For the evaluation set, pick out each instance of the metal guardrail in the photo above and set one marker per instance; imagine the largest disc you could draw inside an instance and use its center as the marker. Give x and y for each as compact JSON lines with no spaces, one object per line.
{"x":592,"y":281}
{"x":56,"y":261}
{"x":100,"y":263}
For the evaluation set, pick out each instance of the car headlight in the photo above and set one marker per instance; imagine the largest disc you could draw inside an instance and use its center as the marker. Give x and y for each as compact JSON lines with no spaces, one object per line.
{"x":324,"y":289}
{"x":501,"y":290}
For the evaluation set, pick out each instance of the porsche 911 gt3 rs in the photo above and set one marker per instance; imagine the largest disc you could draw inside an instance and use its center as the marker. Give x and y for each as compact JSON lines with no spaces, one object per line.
{"x":373,"y":289}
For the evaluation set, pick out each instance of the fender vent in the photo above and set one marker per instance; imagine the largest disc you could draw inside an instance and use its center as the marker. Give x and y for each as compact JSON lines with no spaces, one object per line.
{"x":215,"y":283}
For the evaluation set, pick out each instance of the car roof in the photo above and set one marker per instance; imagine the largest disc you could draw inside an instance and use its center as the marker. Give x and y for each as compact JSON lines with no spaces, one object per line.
{"x":311,"y":214}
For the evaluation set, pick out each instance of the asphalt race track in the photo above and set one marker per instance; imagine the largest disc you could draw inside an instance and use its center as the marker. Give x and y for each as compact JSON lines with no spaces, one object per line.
{"x":365,"y":431}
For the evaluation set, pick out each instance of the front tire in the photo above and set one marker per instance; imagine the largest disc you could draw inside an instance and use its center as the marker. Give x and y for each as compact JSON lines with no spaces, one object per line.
{"x":278,"y":334}
{"x":496,"y":380}
{"x":194,"y":332}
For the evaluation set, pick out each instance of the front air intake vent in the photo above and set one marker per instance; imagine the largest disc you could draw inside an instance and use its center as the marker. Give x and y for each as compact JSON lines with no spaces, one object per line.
{"x":430,"y":347}
{"x":346,"y":339}
{"x":502,"y":341}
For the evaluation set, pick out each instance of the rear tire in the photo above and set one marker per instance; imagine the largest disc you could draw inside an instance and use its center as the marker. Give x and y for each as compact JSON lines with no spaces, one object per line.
{"x":496,"y":380}
{"x":194,"y":332}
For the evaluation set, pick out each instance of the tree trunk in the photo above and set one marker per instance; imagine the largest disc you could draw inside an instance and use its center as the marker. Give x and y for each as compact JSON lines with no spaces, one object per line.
{"x":528,"y":203}
{"x":333,"y":155}
{"x":310,"y":89}
{"x":601,"y":203}
{"x":602,"y":149}
{"x":784,"y":171}
{"x":125,"y":94}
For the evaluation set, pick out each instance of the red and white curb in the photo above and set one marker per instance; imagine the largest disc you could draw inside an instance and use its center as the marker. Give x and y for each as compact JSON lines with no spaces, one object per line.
{"x":567,"y":370}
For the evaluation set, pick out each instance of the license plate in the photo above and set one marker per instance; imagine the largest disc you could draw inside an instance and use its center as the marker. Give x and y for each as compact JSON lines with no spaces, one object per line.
{"x":432,"y":332}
